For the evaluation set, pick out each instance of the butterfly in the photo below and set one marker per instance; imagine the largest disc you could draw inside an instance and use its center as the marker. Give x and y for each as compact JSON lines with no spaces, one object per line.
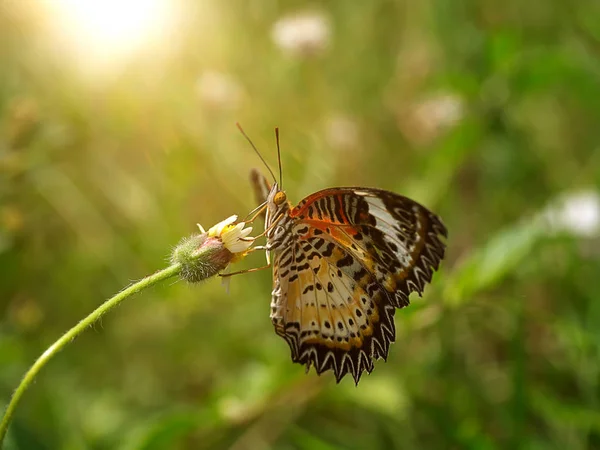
{"x":344,"y":259}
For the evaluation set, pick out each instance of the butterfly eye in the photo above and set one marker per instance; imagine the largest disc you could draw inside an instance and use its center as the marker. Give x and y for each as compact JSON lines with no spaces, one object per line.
{"x":279,"y":198}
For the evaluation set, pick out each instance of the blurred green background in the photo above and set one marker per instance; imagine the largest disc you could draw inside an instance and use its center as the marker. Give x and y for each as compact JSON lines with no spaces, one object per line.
{"x":117,"y":135}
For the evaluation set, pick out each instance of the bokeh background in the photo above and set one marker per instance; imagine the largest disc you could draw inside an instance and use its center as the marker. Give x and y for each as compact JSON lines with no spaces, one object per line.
{"x":117,"y":136}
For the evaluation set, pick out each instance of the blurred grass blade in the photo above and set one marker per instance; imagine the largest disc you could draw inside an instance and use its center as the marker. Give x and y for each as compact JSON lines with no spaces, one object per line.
{"x":308,"y":441}
{"x":564,"y":414}
{"x":500,"y":256}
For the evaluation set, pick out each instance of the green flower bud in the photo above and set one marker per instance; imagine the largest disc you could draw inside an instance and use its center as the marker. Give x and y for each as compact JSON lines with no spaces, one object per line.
{"x":204,"y":255}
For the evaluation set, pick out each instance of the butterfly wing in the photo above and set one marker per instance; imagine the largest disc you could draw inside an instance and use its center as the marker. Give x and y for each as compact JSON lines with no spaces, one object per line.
{"x":402,"y":238}
{"x":357,"y":254}
{"x":261,"y":187}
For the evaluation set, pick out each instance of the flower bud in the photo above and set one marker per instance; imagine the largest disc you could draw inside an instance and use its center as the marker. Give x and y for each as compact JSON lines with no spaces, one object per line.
{"x":204,"y":255}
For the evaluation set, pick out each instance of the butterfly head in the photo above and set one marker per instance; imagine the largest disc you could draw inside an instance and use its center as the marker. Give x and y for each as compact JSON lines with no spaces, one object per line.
{"x":277,"y":220}
{"x":277,"y":201}
{"x":279,"y":198}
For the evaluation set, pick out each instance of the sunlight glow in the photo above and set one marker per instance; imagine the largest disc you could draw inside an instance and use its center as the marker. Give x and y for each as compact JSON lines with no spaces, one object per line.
{"x":109,"y":29}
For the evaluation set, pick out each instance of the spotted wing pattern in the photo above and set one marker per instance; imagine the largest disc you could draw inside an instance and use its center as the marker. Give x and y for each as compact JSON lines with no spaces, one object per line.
{"x":354,"y":255}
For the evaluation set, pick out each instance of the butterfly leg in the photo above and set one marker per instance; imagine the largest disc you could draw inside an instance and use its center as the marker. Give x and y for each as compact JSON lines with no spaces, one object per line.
{"x":257,"y":212}
{"x":258,"y":247}
{"x":275,"y":221}
{"x":254,"y":269}
{"x":261,"y":247}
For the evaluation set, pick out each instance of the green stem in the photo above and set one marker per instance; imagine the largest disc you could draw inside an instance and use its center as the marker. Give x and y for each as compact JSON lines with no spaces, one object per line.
{"x":144,"y":283}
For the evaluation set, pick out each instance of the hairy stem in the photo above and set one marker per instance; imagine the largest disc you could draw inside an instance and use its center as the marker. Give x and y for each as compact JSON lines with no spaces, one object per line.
{"x":139,"y":286}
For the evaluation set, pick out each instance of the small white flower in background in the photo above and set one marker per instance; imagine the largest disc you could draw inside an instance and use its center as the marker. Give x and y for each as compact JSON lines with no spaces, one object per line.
{"x":577,"y":213}
{"x":303,"y":34}
{"x":234,"y":409}
{"x":218,"y":90}
{"x":423,"y":121}
{"x":439,"y":112}
{"x":442,"y":110}
{"x":342,"y":133}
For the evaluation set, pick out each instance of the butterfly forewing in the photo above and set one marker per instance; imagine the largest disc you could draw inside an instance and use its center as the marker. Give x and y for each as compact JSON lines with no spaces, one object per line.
{"x":261,"y":187}
{"x":344,"y":259}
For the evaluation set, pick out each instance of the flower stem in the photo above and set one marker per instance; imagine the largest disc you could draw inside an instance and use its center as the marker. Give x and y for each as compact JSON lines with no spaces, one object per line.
{"x":139,"y":286}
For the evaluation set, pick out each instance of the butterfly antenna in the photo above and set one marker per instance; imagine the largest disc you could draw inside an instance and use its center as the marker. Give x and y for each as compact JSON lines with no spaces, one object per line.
{"x":279,"y":158}
{"x":256,"y":150}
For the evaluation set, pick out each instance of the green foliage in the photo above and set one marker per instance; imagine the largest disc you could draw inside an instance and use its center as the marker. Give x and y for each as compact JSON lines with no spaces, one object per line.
{"x":484,"y":111}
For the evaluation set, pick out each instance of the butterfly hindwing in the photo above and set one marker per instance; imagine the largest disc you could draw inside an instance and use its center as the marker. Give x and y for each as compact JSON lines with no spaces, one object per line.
{"x":331,"y":315}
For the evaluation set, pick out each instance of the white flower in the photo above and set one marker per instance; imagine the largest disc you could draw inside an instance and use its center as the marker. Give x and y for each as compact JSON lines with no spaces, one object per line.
{"x":342,"y":133}
{"x":439,"y":112}
{"x":216,"y":230}
{"x":443,"y":110}
{"x":234,"y":237}
{"x":219,"y":90}
{"x":235,"y":240}
{"x":577,"y":213}
{"x":423,"y":121}
{"x":302,"y":34}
